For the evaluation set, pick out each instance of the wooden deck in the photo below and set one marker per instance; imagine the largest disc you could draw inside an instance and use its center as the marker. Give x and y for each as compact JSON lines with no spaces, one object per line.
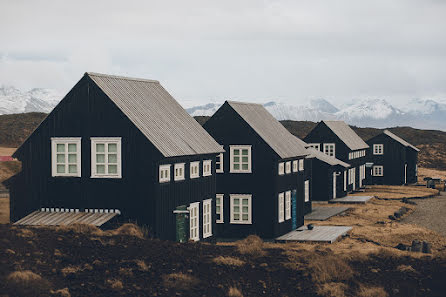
{"x":321,"y":234}
{"x":57,"y":218}
{"x":321,"y":213}
{"x":351,"y":199}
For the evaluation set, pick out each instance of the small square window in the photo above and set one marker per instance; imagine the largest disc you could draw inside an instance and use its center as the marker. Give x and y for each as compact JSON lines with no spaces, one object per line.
{"x":66,"y":156}
{"x":281,"y":168}
{"x":378,"y":149}
{"x":207,"y":170}
{"x":329,"y":149}
{"x":194,"y":169}
{"x":301,"y":165}
{"x":295,"y":166}
{"x":179,"y":171}
{"x":240,"y":158}
{"x":105,"y":157}
{"x":164,"y":173}
{"x":241,"y":212}
{"x":288,"y":167}
{"x":378,"y":170}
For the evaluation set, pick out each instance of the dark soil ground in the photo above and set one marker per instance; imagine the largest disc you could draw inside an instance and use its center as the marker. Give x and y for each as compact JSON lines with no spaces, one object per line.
{"x":91,"y":264}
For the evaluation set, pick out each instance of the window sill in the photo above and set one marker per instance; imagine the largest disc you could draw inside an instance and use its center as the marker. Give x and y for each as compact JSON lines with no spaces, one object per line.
{"x":220,"y":222}
{"x":178,"y":180}
{"x":105,"y":176}
{"x":207,"y":236}
{"x":204,"y":175}
{"x":66,"y":176}
{"x":241,"y":223}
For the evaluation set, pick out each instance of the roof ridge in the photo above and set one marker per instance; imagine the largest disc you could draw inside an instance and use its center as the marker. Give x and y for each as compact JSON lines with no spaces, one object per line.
{"x":239,"y":102}
{"x":121,"y":77}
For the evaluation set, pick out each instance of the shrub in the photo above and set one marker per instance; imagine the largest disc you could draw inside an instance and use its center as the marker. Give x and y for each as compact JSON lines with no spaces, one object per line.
{"x":80,"y":228}
{"x":331,"y":289}
{"x":115,"y":284}
{"x":365,"y":291}
{"x":229,"y":261}
{"x":251,"y":245}
{"x":129,"y":229}
{"x":327,"y":268}
{"x":26,"y":283}
{"x":179,"y":281}
{"x":141,"y":265}
{"x":234,"y":292}
{"x":61,"y":293}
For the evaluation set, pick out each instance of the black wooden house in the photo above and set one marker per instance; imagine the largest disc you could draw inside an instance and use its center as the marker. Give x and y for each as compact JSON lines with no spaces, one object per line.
{"x":394,"y":160}
{"x":337,"y":139}
{"x":261,"y":186}
{"x":118,"y":143}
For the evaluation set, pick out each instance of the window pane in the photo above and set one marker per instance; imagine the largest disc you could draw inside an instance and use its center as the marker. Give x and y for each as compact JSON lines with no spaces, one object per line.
{"x":60,"y":158}
{"x":244,"y":217}
{"x":100,"y":158}
{"x":236,"y":152}
{"x":245,"y":201}
{"x":112,"y":169}
{"x":71,"y":147}
{"x":236,"y":201}
{"x":61,"y":147}
{"x":245,"y":209}
{"x":100,"y":169}
{"x":60,"y":168}
{"x":245,"y":159}
{"x":72,"y":168}
{"x":112,"y":148}
{"x":217,"y":208}
{"x":245,"y":166}
{"x":72,"y":158}
{"x":236,"y":217}
{"x":112,"y":158}
{"x":217,"y":200}
{"x":237,"y":208}
{"x":244,"y":152}
{"x":100,"y":147}
{"x":236,"y":159}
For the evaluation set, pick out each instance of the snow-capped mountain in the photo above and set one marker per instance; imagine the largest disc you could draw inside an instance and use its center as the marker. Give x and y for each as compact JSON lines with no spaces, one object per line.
{"x":12,"y":100}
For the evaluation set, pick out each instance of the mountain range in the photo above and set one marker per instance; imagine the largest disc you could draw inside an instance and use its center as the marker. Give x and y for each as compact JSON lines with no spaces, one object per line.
{"x":379,"y":113}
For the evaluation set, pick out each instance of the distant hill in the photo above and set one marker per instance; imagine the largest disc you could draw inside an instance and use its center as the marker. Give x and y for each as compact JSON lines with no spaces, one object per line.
{"x":15,"y":128}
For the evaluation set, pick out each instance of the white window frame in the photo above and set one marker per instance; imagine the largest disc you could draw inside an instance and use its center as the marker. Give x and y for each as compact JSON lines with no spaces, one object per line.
{"x":207,"y":167}
{"x":106,"y":141}
{"x":233,"y":148}
{"x":66,"y":141}
{"x":301,"y":165}
{"x":241,"y":221}
{"x":307,"y":190}
{"x":345,"y":180}
{"x":281,"y":168}
{"x":194,"y":226}
{"x":220,"y":218}
{"x":378,"y":149}
{"x":207,"y":218}
{"x":164,"y":173}
{"x":378,"y":170}
{"x":288,"y":167}
{"x":295,"y":165}
{"x":281,"y":207}
{"x":194,"y":169}
{"x":327,"y":147}
{"x":219,"y":163}
{"x":178,"y":168}
{"x":315,"y":145}
{"x":287,"y":205}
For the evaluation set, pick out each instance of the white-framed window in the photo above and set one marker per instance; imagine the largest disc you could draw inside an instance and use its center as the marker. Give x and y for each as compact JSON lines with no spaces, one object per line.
{"x":287,"y":205}
{"x":301,"y":165}
{"x":194,"y":221}
{"x":241,"y":208}
{"x":378,"y":149}
{"x":315,"y":145}
{"x":219,"y":163}
{"x":378,"y":170}
{"x":307,"y":190}
{"x":106,"y":157}
{"x":240,"y":158}
{"x":288,"y":167}
{"x":164,"y":173}
{"x":194,"y":169}
{"x":350,"y":176}
{"x":281,"y":209}
{"x":66,"y":156}
{"x":178,"y":171}
{"x":219,"y":207}
{"x":281,"y":168}
{"x":295,"y":165}
{"x":207,"y":218}
{"x":329,"y":149}
{"x":345,"y":180}
{"x":207,"y":170}
{"x":349,"y":156}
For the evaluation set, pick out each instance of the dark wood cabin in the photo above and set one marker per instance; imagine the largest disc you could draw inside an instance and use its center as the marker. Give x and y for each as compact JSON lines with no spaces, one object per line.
{"x":394,"y":160}
{"x":118,"y":143}
{"x":260,"y":177}
{"x":337,"y":139}
{"x":329,"y":176}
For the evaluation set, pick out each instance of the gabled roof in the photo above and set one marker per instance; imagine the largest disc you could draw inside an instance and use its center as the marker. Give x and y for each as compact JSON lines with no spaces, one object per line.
{"x":157,"y":115}
{"x":285,"y":144}
{"x":400,"y":140}
{"x":347,"y":135}
{"x":314,"y":153}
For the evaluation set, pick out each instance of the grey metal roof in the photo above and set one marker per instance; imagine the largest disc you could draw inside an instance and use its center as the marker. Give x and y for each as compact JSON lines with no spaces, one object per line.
{"x":347,"y":135}
{"x":400,"y":140}
{"x":314,"y":153}
{"x":285,"y":144}
{"x":52,"y":218}
{"x":157,"y":115}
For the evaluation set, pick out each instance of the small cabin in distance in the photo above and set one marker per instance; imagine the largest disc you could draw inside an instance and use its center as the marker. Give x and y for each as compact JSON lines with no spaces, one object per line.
{"x":261,"y":186}
{"x":394,"y":160}
{"x":119,"y":143}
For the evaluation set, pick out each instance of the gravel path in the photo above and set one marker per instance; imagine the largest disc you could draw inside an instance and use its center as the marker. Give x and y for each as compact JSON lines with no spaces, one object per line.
{"x":429,"y":213}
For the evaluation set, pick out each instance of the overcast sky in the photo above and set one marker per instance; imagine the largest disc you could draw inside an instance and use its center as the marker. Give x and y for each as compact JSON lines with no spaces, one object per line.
{"x":203,"y":51}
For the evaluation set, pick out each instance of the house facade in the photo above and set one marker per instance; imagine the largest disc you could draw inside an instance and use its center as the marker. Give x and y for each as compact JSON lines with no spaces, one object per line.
{"x":261,"y":182}
{"x":337,"y":139}
{"x":119,"y":144}
{"x":394,"y":160}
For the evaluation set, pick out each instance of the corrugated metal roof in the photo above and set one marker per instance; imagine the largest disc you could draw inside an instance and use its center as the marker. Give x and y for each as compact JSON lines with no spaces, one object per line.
{"x":400,"y":140}
{"x":347,"y":135}
{"x":157,"y":115}
{"x":51,"y":218}
{"x":314,"y":153}
{"x":285,"y":144}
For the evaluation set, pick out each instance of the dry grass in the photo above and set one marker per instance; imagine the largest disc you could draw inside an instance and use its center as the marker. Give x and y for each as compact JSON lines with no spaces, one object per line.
{"x":61,"y":293}
{"x":7,"y":151}
{"x":365,"y":291}
{"x":80,"y":228}
{"x":8,"y":169}
{"x":327,"y":267}
{"x":128,"y":229}
{"x":251,"y":245}
{"x":234,"y":292}
{"x":70,"y":270}
{"x":4,"y":210}
{"x":331,"y":289}
{"x":398,"y":192}
{"x":142,"y":266}
{"x":405,"y":268}
{"x":179,"y":281}
{"x":228,"y":261}
{"x":126,"y":272}
{"x":115,"y":284}
{"x":26,"y":283}
{"x":23,"y":232}
{"x":427,"y":172}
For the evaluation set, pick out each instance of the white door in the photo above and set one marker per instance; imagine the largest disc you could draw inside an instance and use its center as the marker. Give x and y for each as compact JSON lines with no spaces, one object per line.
{"x":207,"y":223}
{"x":405,"y":173}
{"x":334,"y":185}
{"x":194,"y":221}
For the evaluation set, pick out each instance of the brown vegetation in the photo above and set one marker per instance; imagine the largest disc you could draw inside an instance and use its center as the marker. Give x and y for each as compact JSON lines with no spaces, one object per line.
{"x":398,"y":192}
{"x":26,"y":283}
{"x":234,"y":292}
{"x":115,"y":284}
{"x":15,"y":128}
{"x":331,"y":289}
{"x":366,"y":291}
{"x":251,"y":245}
{"x":179,"y":281}
{"x":4,"y":210}
{"x":228,"y":261}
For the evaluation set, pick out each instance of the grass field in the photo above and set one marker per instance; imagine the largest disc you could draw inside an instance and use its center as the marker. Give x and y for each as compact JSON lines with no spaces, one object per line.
{"x":4,"y":210}
{"x":6,"y":151}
